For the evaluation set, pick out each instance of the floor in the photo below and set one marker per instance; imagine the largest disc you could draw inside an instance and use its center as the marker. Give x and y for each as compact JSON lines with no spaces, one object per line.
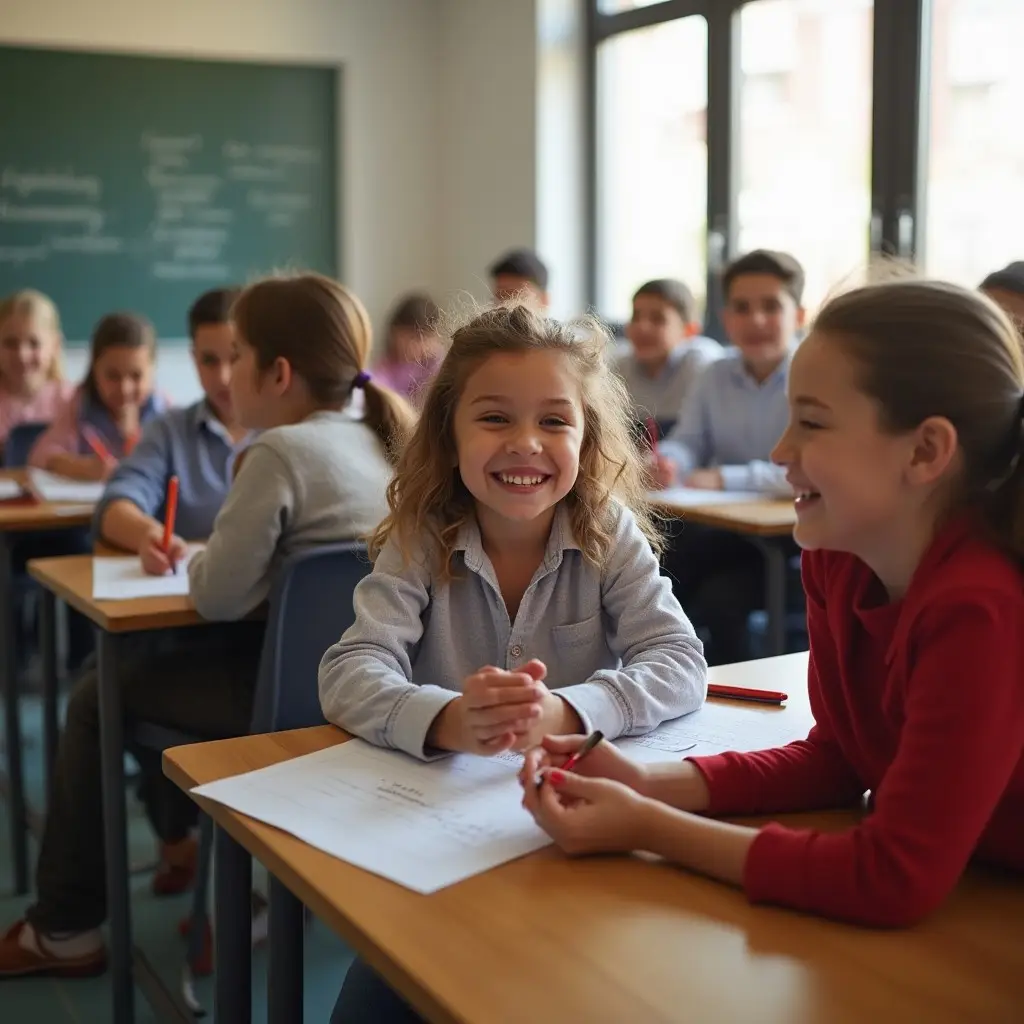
{"x":48,"y":1001}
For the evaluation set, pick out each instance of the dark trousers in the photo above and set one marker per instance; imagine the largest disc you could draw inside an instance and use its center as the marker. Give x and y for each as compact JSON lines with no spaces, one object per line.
{"x":366,"y":998}
{"x":719,"y":579}
{"x":200,"y":681}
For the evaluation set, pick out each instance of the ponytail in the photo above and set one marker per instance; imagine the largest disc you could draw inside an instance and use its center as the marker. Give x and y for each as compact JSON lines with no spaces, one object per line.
{"x":1003,"y":503}
{"x":388,"y":414}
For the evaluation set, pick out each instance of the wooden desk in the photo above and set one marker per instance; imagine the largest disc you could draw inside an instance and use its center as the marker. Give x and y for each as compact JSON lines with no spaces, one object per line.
{"x":616,"y":939}
{"x":70,"y":579}
{"x":18,"y":518}
{"x":767,"y":524}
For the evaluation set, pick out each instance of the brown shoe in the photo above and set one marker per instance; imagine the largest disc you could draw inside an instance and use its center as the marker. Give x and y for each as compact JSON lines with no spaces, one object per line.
{"x":18,"y":962}
{"x":176,"y":872}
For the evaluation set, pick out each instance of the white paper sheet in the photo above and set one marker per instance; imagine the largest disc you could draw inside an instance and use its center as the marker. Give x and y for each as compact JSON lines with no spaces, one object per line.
{"x":689,"y":497}
{"x":715,"y":728}
{"x":9,"y":489}
{"x":425,"y":826}
{"x":430,"y":825}
{"x":51,"y":487}
{"x":122,"y":578}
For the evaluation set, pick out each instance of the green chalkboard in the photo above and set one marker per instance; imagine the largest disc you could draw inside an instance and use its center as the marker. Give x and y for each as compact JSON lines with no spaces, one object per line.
{"x":138,"y":182}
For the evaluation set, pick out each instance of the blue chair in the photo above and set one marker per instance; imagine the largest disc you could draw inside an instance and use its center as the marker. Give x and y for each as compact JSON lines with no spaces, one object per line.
{"x":310,"y":606}
{"x":19,"y":443}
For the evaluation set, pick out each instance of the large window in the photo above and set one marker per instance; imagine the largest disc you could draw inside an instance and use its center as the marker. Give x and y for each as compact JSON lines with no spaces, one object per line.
{"x":652,"y":160}
{"x":805,"y":134}
{"x":975,"y":166}
{"x":833,"y":129}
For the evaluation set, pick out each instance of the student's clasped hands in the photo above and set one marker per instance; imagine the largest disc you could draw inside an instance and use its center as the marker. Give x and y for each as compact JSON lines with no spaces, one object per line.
{"x":598,"y":807}
{"x":500,"y":710}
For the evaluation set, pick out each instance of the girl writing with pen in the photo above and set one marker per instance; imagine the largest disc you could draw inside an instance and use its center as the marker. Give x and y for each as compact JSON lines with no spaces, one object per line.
{"x":904,"y":448}
{"x":516,"y":589}
{"x":101,"y":422}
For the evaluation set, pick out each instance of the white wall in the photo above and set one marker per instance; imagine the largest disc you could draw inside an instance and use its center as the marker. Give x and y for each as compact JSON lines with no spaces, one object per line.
{"x":488,"y":136}
{"x":390,"y":125}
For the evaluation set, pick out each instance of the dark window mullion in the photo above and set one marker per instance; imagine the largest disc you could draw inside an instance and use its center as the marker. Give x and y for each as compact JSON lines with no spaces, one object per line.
{"x":723,"y":152}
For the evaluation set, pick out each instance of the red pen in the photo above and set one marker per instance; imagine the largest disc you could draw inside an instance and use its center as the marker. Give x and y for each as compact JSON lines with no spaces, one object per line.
{"x":95,"y":442}
{"x":588,"y":745}
{"x":171,"y":512}
{"x":746,"y":693}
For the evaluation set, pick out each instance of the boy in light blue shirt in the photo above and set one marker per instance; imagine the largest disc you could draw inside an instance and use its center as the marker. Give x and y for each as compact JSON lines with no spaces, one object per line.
{"x":666,"y":352}
{"x":723,"y":441}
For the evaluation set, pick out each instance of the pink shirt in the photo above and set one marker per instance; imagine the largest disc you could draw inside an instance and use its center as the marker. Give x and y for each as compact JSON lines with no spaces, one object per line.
{"x":64,"y":435}
{"x":42,"y":407}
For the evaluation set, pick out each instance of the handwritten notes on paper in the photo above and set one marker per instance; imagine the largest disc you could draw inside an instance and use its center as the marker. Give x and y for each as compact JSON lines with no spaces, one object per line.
{"x":425,"y":826}
{"x":123,"y":578}
{"x":430,"y":825}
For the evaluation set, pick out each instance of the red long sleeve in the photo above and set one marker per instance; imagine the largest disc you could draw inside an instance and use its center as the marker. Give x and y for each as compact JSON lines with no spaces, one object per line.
{"x":923,"y":702}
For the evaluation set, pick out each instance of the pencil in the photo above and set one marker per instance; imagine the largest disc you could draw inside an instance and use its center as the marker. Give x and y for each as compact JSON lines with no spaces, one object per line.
{"x":95,"y":442}
{"x":171,"y":512}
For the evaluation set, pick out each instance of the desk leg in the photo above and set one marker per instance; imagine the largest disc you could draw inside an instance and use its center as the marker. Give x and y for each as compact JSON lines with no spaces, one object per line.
{"x":284,"y":974}
{"x":48,"y":642}
{"x":232,"y":930}
{"x":115,"y":829}
{"x":12,"y":722}
{"x":774,"y":554}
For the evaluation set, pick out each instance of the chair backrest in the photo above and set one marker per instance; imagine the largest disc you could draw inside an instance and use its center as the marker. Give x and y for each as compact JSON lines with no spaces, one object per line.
{"x":310,"y":607}
{"x":19,"y":443}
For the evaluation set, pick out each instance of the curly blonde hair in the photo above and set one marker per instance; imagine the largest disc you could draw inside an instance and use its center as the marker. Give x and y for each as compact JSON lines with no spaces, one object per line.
{"x":427,"y":498}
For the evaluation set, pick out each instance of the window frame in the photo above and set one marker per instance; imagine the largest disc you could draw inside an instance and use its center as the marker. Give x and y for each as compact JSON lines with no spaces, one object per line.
{"x":902,"y":29}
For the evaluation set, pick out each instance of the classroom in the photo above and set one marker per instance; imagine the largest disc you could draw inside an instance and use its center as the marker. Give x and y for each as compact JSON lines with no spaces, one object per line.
{"x":511,"y":510}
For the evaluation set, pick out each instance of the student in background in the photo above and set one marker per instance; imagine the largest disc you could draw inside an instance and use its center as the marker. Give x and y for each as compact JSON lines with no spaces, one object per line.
{"x":32,"y":386}
{"x":723,"y":439}
{"x":520,"y":276}
{"x":315,"y":475}
{"x":413,"y":349}
{"x":197,"y":444}
{"x":666,"y":353}
{"x":115,"y":401}
{"x":1006,"y":287}
{"x":516,"y":594}
{"x":905,"y":448}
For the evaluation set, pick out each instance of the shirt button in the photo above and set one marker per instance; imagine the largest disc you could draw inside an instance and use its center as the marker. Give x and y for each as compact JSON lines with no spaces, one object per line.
{"x":516,"y":651}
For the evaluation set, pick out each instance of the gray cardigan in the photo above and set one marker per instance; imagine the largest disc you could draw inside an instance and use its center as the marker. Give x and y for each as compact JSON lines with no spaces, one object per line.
{"x":317,"y":482}
{"x":617,"y":646}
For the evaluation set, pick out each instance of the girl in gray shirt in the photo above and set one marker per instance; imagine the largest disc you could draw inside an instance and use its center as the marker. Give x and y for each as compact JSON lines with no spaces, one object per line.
{"x":516,"y":589}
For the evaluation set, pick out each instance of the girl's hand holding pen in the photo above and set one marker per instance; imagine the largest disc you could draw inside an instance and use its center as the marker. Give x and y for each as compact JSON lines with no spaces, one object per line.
{"x":155,"y":560}
{"x":587,"y":815}
{"x":602,"y":762}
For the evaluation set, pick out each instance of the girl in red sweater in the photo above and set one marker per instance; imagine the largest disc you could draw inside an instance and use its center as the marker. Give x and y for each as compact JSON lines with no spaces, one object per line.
{"x":904,"y":448}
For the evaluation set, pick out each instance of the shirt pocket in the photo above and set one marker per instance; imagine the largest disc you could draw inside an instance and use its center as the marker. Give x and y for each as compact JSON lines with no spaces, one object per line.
{"x":589,"y":632}
{"x":579,"y":649}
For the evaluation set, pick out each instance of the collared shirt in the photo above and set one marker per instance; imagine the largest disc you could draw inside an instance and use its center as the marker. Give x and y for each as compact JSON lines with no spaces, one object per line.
{"x":664,"y":395}
{"x":64,"y":436}
{"x":617,"y":646}
{"x":191,"y":444}
{"x":733,"y":422}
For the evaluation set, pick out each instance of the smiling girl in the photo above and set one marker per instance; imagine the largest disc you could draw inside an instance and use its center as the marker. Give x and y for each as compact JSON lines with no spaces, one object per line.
{"x":904,"y":447}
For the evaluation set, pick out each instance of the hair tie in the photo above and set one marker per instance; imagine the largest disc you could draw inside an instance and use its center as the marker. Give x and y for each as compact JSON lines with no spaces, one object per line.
{"x":362,"y":379}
